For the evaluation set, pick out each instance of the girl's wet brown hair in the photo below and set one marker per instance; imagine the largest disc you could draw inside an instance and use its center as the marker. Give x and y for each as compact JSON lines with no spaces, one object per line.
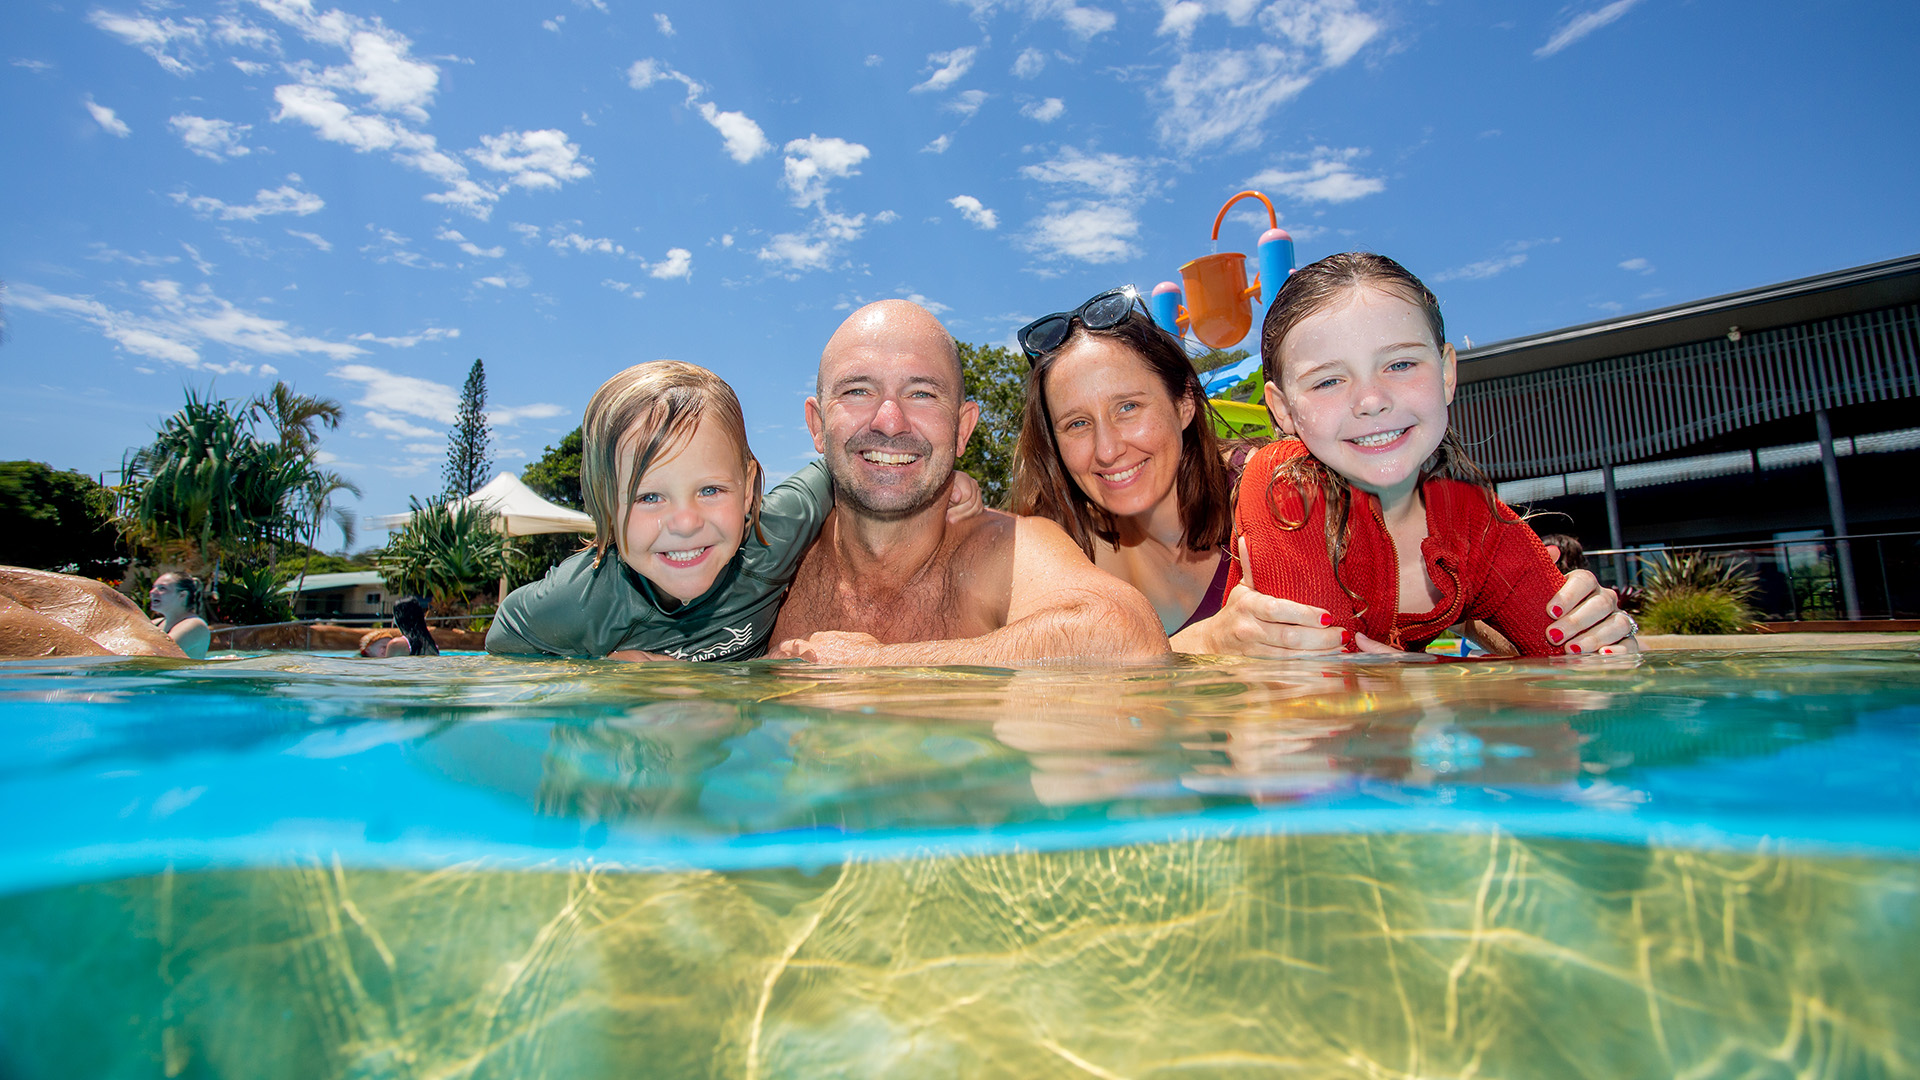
{"x":1042,"y":488}
{"x":1307,"y":292}
{"x":663,"y":401}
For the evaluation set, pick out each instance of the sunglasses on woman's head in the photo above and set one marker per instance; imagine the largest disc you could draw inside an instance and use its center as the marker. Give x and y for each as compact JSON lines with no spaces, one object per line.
{"x":1103,"y":312}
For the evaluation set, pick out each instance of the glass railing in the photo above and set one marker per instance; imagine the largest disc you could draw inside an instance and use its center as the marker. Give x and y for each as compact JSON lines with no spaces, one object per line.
{"x":1858,"y":576}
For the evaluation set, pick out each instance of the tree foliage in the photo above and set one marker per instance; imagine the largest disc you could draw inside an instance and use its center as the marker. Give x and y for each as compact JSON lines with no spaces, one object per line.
{"x":996,"y":377}
{"x":555,"y":474}
{"x":446,"y":553}
{"x":469,"y":453}
{"x":54,"y":519}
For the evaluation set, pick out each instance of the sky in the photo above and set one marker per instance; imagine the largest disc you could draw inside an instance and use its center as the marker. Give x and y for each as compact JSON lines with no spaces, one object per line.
{"x":361,"y":200}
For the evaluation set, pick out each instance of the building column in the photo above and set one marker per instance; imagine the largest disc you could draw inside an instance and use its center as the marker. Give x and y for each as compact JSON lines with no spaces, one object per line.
{"x":1613,"y":526}
{"x":1837,"y":513}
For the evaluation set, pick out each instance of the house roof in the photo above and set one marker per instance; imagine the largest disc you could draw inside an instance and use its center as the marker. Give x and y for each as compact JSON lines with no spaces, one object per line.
{"x":320,"y":582}
{"x":1822,"y":296}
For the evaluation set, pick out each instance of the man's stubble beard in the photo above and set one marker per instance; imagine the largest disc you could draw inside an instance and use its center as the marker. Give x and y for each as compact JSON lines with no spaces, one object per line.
{"x":887,"y":503}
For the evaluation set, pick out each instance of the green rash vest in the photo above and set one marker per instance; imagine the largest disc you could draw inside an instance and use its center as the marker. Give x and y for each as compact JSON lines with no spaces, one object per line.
{"x":580,"y":609}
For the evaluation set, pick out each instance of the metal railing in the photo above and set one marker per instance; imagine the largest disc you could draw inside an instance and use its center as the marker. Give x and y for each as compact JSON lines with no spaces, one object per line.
{"x":1799,"y":578}
{"x":284,"y":635}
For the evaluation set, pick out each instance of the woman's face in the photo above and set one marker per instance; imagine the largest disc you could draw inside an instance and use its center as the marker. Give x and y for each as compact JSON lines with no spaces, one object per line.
{"x":1117,"y":428}
{"x":167,"y":597}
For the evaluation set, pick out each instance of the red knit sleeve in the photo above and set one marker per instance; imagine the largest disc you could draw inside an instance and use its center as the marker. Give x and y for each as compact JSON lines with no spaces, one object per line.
{"x":1518,"y":582}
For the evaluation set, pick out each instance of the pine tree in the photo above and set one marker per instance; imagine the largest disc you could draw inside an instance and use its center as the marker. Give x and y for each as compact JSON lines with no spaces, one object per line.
{"x":469,"y":458}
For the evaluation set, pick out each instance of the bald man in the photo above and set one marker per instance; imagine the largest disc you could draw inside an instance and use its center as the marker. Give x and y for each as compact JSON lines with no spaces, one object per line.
{"x":890,"y":580}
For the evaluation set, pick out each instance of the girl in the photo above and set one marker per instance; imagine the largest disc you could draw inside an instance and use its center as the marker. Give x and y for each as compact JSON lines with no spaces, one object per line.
{"x":175,"y":598}
{"x":1372,"y":510}
{"x":700,"y":559}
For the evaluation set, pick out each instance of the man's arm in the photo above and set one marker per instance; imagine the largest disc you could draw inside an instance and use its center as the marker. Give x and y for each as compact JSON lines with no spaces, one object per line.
{"x":1062,"y":607}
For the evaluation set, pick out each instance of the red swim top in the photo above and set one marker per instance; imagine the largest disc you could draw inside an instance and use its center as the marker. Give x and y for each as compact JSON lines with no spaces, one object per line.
{"x":1486,"y":562}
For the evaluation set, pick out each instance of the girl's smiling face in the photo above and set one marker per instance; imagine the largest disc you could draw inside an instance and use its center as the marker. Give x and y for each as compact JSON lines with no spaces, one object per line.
{"x":1365,"y":386}
{"x":689,"y":514}
{"x":1118,"y":431}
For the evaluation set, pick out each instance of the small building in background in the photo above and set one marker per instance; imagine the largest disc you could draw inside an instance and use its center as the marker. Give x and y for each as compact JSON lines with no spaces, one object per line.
{"x":1775,"y":425}
{"x":357,"y":594}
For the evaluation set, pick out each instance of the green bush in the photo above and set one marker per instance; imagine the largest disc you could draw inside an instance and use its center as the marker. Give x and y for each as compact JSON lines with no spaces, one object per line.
{"x":1696,"y":612}
{"x":446,"y":554}
{"x":250,"y":596}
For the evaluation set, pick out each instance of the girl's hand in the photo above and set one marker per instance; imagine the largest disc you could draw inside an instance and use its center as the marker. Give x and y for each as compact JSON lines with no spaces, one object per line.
{"x":963,"y":499}
{"x":1588,"y":619}
{"x":634,"y":656}
{"x":1251,"y":623}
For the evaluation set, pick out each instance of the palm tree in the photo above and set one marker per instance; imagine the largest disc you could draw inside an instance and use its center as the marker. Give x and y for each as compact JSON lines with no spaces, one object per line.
{"x":317,"y":501}
{"x":294,"y":416}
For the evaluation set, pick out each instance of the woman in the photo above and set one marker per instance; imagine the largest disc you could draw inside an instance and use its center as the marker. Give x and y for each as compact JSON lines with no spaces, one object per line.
{"x":1117,"y":446}
{"x":175,"y":598}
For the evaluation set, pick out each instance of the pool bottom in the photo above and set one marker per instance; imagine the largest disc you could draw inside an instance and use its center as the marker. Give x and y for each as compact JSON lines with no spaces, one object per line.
{"x":1323,"y":955}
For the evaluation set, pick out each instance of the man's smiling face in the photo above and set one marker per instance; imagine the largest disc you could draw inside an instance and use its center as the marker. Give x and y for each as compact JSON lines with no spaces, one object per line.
{"x":891,"y":415}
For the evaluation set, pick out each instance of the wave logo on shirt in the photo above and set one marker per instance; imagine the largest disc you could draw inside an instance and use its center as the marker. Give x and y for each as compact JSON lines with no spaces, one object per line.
{"x":737,"y":638}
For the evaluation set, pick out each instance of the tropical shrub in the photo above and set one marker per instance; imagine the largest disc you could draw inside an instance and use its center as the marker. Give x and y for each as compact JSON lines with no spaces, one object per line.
{"x":1698,"y":593}
{"x":446,"y":553}
{"x":250,"y":596}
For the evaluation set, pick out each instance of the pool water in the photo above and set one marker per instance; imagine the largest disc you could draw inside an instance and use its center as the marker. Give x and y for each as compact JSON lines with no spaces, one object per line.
{"x":293,"y":866}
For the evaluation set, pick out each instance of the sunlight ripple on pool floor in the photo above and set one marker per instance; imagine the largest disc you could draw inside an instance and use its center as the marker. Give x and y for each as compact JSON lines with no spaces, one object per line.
{"x":308,"y":867}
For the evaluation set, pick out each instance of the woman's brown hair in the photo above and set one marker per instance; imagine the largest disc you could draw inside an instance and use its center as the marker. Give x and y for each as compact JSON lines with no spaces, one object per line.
{"x":1308,"y":291}
{"x":1042,"y":488}
{"x":660,"y":403}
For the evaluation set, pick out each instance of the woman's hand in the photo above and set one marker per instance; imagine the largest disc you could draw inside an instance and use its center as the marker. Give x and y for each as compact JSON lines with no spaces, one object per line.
{"x":963,"y":498}
{"x":1251,"y":623}
{"x":1588,"y":619}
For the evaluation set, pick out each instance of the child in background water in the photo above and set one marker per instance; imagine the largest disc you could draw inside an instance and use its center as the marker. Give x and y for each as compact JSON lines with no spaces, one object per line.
{"x":701,"y":558}
{"x":1372,"y":509}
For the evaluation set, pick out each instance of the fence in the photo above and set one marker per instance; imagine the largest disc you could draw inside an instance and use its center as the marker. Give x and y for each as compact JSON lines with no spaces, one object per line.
{"x":467,"y":631}
{"x":1799,"y":578}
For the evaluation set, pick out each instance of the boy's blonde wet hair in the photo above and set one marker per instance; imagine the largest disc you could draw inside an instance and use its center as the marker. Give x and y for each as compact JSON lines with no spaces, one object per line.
{"x":662,"y":402}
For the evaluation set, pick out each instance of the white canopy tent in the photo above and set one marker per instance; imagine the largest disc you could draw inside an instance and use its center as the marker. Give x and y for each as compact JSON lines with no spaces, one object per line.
{"x":518,"y":511}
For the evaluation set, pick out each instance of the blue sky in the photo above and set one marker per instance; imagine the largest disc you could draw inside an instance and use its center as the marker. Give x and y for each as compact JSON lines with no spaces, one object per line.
{"x":362,"y":199}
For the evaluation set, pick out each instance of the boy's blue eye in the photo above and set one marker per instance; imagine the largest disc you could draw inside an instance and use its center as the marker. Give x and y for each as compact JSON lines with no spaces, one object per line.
{"x":1401,"y":365}
{"x":1324,"y":383}
{"x":711,"y":490}
{"x":648,"y":497}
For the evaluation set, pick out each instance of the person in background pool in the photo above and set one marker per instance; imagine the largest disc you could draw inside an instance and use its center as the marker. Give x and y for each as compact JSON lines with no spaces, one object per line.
{"x":702,"y":559}
{"x":410,"y":616}
{"x":177,"y":599}
{"x":1372,"y":510}
{"x":1117,"y":446}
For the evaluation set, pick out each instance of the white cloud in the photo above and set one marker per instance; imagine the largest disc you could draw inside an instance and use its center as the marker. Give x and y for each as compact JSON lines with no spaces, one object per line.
{"x":249,"y":67}
{"x":812,"y":161}
{"x":1513,"y":255}
{"x":664,"y":24}
{"x":104,"y":253}
{"x":513,"y":414}
{"x":108,"y":122}
{"x":393,"y":248}
{"x":1098,"y":233}
{"x":644,"y":73}
{"x":814,"y":248}
{"x":454,"y":236}
{"x":745,"y":141}
{"x":1083,"y":22}
{"x":885,"y":217}
{"x":384,"y":392}
{"x":677,"y":264}
{"x":966,"y":102}
{"x":939,"y":145}
{"x":1637,"y":266}
{"x":408,"y":341}
{"x":1226,"y":95}
{"x":585,"y":245}
{"x":553,"y":24}
{"x":494,"y":280}
{"x":38,"y":67}
{"x":1029,"y":63}
{"x":230,"y":30}
{"x":528,"y":233}
{"x":1328,"y":177}
{"x":162,"y":39}
{"x":953,"y":64}
{"x":179,"y":322}
{"x":312,"y":238}
{"x":623,"y":287}
{"x":397,"y":428}
{"x":1110,"y":175}
{"x":532,"y":159}
{"x":1583,"y":24}
{"x":285,"y":199}
{"x":971,"y":209}
{"x":216,"y":140}
{"x":874,"y":60}
{"x":1044,"y":111}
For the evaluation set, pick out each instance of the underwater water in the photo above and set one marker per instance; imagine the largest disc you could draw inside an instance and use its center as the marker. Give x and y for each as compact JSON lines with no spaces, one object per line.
{"x":1700,"y":865}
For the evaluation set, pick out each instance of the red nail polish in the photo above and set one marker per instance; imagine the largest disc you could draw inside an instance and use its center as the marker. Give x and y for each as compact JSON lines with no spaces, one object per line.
{"x":1557,"y":612}
{"x":1573,"y":648}
{"x":1555,"y":635}
{"x":1326,"y":620}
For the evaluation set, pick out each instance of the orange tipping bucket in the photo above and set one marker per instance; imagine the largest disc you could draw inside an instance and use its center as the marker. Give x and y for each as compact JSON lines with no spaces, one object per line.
{"x":1219,"y":300}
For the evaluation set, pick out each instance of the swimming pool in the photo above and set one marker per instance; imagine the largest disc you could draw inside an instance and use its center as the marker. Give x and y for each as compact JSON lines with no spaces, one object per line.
{"x":1688,"y":864}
